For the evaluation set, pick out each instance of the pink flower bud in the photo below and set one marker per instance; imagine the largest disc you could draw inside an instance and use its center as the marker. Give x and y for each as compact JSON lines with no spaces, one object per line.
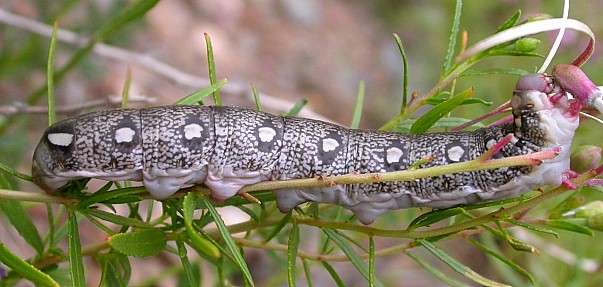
{"x":574,"y":81}
{"x":585,"y":158}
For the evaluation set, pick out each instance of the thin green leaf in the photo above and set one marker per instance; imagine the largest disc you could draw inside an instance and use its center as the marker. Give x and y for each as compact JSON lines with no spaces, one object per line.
{"x":514,"y":242}
{"x":125,"y":92}
{"x":188,"y":208}
{"x":114,"y":194}
{"x":510,"y":22}
{"x":117,"y":219}
{"x":458,"y":266}
{"x":249,"y":212}
{"x":371,"y":261}
{"x":25,"y":269}
{"x":256,"y":98}
{"x":140,"y":243}
{"x":348,"y":251}
{"x":21,"y":221}
{"x":60,"y":233}
{"x":443,"y":123}
{"x":405,"y":71}
{"x":200,"y":95}
{"x":533,"y":227}
{"x":333,"y":273}
{"x":434,"y":216}
{"x":496,"y":202}
{"x":52,"y":116}
{"x":358,"y":108}
{"x":454,"y":33}
{"x":503,"y":259}
{"x":14,"y":173}
{"x":495,"y":71}
{"x":308,"y":273}
{"x":124,"y":199}
{"x":186,"y":265}
{"x":471,"y":101}
{"x":127,"y":15}
{"x":292,"y":253}
{"x":212,"y":69}
{"x":436,"y":272}
{"x":76,"y":264}
{"x":430,"y":118}
{"x":277,"y":229}
{"x":98,"y":224}
{"x":296,"y":108}
{"x":239,"y":260}
{"x":116,"y":269}
{"x":569,"y":226}
{"x":51,"y":225}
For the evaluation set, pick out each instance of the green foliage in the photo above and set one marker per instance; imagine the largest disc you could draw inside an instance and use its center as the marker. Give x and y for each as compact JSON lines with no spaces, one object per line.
{"x":190,"y":227}
{"x":140,"y":243}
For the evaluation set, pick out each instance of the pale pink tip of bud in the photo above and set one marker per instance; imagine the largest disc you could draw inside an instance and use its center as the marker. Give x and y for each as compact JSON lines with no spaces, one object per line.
{"x":574,"y":81}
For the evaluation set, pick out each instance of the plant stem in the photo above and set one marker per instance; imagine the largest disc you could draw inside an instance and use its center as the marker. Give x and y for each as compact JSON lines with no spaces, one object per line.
{"x":36,"y":197}
{"x":406,"y":175}
{"x":496,"y":215}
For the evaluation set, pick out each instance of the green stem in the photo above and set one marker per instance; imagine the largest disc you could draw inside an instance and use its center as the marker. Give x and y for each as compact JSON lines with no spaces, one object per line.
{"x":496,"y":215}
{"x":36,"y":197}
{"x":406,"y":175}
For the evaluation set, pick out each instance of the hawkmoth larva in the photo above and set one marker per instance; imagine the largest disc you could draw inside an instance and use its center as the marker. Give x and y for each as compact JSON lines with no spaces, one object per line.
{"x":226,"y":148}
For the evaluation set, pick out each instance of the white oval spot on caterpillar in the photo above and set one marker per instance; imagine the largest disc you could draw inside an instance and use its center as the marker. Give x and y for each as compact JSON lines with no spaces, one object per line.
{"x":393,"y":154}
{"x":491,"y":143}
{"x":266,"y":134}
{"x":221,"y":131}
{"x":455,"y":153}
{"x":192,"y":131}
{"x":329,"y":145}
{"x":124,"y":135}
{"x":62,"y":139}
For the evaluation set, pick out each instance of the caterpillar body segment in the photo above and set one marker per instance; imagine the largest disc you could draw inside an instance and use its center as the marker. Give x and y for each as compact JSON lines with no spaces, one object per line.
{"x":226,"y":148}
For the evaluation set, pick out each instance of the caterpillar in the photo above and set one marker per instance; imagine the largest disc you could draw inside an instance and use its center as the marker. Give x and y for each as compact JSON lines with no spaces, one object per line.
{"x":226,"y":148}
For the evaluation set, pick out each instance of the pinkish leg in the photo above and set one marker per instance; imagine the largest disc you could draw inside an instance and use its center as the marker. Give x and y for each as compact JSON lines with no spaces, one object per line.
{"x":566,"y":179}
{"x":572,"y":174}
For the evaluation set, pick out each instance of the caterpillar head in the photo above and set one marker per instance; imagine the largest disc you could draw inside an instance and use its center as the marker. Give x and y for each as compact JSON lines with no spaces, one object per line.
{"x":558,"y":115}
{"x":53,"y":156}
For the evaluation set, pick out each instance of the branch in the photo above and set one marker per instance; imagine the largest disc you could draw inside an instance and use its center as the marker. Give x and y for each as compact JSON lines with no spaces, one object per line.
{"x":36,"y":197}
{"x":20,"y":107}
{"x":150,"y":63}
{"x":496,"y":215}
{"x":407,"y":175}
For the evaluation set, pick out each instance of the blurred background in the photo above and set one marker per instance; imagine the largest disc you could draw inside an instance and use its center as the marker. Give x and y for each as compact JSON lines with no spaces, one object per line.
{"x":290,"y":50}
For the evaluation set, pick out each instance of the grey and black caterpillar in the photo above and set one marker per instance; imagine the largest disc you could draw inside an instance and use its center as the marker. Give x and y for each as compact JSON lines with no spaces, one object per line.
{"x":226,"y":148}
